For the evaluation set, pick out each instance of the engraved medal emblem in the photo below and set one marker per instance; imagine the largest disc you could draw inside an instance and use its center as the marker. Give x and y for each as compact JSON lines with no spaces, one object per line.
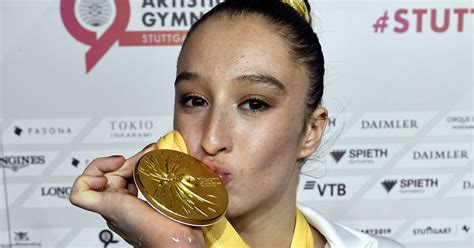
{"x":181,"y":187}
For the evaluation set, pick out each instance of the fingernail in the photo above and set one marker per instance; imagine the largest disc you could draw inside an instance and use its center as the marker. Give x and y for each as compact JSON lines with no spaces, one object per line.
{"x":148,"y":146}
{"x":116,"y":156}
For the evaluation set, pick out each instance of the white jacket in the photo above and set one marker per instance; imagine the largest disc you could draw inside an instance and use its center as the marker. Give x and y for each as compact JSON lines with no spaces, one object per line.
{"x":339,"y":236}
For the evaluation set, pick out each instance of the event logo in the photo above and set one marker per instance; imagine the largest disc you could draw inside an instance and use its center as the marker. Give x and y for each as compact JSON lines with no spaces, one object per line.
{"x":388,"y":185}
{"x":80,"y":163}
{"x":389,"y":124}
{"x":329,"y":188}
{"x":332,"y":189}
{"x":326,"y":189}
{"x":43,"y":131}
{"x":337,"y":155}
{"x":411,"y":185}
{"x":17,"y":131}
{"x":128,"y":129}
{"x":434,"y":230}
{"x":309,"y":185}
{"x":381,"y":227}
{"x":430,"y":230}
{"x":367,"y":155}
{"x":461,"y":122}
{"x":438,"y":20}
{"x":440,"y":155}
{"x":21,"y":161}
{"x":455,"y":123}
{"x":449,"y":155}
{"x":107,"y":237}
{"x":75,"y":162}
{"x":84,"y":20}
{"x":21,"y":236}
{"x":131,"y":128}
{"x":60,"y":192}
{"x":377,"y":231}
{"x":361,"y":155}
{"x":394,"y":124}
{"x":22,"y":239}
{"x":463,"y":187}
{"x":95,"y":13}
{"x":467,"y":185}
{"x":418,"y":185}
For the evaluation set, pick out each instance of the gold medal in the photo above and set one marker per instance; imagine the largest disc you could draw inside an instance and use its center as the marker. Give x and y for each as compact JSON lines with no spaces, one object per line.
{"x":181,"y":187}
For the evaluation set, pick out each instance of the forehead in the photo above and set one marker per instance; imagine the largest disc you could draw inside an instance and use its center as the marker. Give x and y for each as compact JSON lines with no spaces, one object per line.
{"x":225,"y":47}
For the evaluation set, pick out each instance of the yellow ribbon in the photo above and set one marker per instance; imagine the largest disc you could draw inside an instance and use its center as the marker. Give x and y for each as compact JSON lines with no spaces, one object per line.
{"x":222,"y":234}
{"x":302,"y":237}
{"x":300,"y":7}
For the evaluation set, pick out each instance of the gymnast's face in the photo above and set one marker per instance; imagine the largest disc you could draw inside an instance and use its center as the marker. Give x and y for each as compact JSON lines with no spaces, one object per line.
{"x":240,"y":106}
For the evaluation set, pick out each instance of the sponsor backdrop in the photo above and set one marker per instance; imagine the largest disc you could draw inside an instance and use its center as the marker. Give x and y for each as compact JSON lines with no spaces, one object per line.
{"x":88,"y":78}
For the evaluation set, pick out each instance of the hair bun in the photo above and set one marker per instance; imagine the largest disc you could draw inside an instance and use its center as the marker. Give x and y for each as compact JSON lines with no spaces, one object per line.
{"x":301,"y":7}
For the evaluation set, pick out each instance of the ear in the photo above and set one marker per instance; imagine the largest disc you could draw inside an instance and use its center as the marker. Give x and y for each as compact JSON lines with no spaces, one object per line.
{"x":314,"y":130}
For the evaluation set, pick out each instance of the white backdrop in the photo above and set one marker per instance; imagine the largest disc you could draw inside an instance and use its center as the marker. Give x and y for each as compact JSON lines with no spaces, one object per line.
{"x":397,"y":157}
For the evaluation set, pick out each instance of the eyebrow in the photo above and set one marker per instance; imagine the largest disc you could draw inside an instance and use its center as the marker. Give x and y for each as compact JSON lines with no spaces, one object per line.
{"x":185,"y":76}
{"x":264,"y":79}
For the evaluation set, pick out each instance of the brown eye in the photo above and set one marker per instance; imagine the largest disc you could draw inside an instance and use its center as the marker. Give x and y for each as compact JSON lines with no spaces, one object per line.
{"x":193,"y":101}
{"x":255,"y":105}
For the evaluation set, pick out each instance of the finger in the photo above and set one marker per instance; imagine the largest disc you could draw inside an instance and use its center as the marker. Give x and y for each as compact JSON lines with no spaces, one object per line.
{"x":85,"y":182}
{"x":85,"y":191}
{"x":127,"y":168}
{"x":100,"y":166}
{"x":120,"y":177}
{"x":132,"y":189}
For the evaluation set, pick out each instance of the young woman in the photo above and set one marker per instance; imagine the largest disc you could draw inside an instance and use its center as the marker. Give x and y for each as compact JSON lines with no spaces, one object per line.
{"x":248,"y":92}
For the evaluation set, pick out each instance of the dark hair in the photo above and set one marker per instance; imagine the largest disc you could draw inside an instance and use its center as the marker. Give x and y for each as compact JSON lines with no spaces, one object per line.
{"x":303,"y":42}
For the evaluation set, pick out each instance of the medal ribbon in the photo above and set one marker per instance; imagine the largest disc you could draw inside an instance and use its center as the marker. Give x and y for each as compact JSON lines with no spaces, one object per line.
{"x":302,"y":237}
{"x":222,"y":234}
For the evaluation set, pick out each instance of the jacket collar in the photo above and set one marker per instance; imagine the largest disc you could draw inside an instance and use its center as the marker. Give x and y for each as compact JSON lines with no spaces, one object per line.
{"x":336,"y":235}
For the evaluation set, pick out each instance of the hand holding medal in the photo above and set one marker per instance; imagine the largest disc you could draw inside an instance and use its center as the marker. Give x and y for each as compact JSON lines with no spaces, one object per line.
{"x":106,"y":187}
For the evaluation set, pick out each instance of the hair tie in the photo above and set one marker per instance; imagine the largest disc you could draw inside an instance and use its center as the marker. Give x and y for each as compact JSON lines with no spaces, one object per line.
{"x":300,"y":7}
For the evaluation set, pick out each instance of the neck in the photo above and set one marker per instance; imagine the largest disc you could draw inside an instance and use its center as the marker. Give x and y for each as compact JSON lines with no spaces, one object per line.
{"x":271,"y":224}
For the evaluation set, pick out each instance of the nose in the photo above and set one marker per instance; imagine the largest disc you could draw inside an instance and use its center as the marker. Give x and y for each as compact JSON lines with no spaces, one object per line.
{"x":217,"y":134}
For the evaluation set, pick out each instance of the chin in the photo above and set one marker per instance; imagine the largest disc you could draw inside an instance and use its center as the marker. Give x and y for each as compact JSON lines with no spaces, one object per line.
{"x":229,"y":214}
{"x":231,"y":210}
{"x":235,"y":210}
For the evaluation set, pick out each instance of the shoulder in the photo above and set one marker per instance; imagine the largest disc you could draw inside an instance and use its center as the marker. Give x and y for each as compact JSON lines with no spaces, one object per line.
{"x":340,"y":236}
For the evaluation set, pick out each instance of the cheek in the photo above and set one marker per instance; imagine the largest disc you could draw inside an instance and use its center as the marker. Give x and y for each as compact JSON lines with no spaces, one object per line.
{"x":265,"y":161}
{"x":282,"y":130}
{"x":272,"y":143}
{"x":191,"y":131}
